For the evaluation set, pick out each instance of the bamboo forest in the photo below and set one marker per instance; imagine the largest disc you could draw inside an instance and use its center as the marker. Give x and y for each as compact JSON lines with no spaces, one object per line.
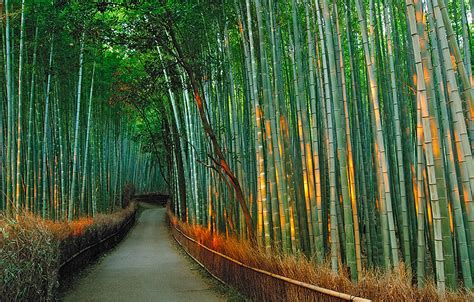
{"x":327,"y":138}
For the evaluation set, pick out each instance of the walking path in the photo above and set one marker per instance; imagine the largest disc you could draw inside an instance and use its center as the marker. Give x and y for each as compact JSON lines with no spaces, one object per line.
{"x":146,"y":266}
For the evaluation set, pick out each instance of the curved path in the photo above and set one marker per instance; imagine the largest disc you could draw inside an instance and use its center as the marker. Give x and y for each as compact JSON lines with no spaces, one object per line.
{"x":145,"y":266}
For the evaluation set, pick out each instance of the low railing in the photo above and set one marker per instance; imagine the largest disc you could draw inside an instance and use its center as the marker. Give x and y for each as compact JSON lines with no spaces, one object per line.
{"x":82,"y":257}
{"x":257,"y":284}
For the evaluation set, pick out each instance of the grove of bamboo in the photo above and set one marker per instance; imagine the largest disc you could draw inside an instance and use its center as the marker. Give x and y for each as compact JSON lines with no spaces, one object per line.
{"x":65,"y":152}
{"x":341,"y":129}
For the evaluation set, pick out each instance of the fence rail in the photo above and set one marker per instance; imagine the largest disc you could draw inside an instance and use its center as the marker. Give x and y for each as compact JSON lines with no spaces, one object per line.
{"x":257,"y":284}
{"x":83,"y":256}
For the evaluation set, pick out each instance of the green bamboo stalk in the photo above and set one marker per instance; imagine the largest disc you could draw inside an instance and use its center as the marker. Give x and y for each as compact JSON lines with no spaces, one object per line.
{"x":87,"y":142}
{"x":75,"y":159}
{"x":18,"y":196}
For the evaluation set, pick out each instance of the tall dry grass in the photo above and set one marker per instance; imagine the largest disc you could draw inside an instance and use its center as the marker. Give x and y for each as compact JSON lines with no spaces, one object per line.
{"x":78,"y":234}
{"x":374,"y":284}
{"x":32,"y":250}
{"x":29,"y":259}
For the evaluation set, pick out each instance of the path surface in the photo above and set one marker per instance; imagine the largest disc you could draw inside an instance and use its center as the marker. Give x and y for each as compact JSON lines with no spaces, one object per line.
{"x":146,"y":266}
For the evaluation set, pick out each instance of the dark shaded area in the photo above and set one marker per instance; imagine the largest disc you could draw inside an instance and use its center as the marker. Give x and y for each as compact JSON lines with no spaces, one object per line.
{"x":160,"y":199}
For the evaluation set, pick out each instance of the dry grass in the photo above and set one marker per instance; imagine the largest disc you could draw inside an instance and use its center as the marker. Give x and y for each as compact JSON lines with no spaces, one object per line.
{"x":76,"y":235}
{"x":32,"y":250}
{"x":63,"y":230}
{"x":29,"y":258}
{"x":376,"y":285}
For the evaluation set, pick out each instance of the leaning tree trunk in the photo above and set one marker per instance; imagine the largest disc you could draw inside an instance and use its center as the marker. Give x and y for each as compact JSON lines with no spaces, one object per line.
{"x":221,"y":160}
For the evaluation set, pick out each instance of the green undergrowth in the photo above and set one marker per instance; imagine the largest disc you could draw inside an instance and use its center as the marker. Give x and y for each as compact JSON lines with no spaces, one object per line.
{"x":32,"y":250}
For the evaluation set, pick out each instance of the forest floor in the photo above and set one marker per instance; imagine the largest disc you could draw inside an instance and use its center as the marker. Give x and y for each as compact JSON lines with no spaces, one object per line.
{"x":145,"y":266}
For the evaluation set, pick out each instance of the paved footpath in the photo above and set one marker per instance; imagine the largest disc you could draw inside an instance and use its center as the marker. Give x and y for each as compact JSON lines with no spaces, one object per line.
{"x":145,"y":266}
